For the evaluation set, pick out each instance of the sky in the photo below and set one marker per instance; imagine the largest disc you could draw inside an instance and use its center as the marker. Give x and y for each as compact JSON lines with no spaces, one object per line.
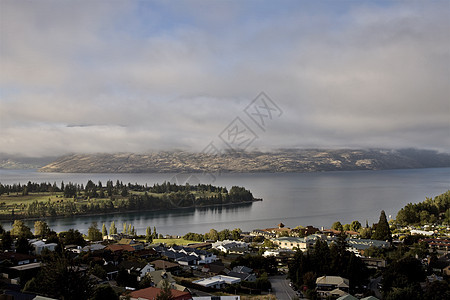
{"x":145,"y":76}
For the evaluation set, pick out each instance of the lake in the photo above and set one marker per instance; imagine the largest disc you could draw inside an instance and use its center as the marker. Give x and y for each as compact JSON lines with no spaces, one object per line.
{"x":317,"y":199}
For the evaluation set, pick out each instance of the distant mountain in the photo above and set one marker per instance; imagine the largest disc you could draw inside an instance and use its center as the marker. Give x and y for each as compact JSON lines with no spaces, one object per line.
{"x":20,"y":163}
{"x":289,"y":160}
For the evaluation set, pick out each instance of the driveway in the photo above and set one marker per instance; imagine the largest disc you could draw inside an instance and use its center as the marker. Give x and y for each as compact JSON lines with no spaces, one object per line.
{"x":281,"y":288}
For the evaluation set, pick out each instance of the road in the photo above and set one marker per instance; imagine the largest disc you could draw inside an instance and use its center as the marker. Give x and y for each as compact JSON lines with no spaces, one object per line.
{"x":281,"y":288}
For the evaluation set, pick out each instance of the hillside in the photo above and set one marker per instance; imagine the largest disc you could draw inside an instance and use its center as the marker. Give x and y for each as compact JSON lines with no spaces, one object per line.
{"x":280,"y":161}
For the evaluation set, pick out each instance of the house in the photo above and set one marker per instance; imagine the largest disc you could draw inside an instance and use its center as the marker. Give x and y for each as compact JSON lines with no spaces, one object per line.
{"x":326,"y":284}
{"x":120,"y":248}
{"x":24,"y":272}
{"x":166,"y":265}
{"x":266,"y":234}
{"x":374,"y":263}
{"x":140,"y":268}
{"x":187,"y":256}
{"x":216,"y":267}
{"x":243,"y":272}
{"x":203,"y":246}
{"x":16,"y":259}
{"x":88,"y":248}
{"x":305,"y":231}
{"x":362,"y":244}
{"x":39,"y":246}
{"x":132,"y":243}
{"x":243,"y":276}
{"x":217,"y":282}
{"x":291,"y":242}
{"x":228,"y":246}
{"x":158,"y":277}
{"x":152,"y":292}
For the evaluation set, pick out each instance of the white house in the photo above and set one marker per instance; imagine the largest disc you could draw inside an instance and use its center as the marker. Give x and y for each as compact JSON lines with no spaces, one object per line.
{"x":218,"y":281}
{"x":39,"y":246}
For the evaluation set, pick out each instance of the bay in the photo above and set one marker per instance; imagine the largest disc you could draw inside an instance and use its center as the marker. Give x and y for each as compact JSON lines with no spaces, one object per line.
{"x":317,"y":199}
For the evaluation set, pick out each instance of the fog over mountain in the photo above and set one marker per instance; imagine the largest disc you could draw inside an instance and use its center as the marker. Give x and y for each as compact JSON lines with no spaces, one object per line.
{"x":145,"y":76}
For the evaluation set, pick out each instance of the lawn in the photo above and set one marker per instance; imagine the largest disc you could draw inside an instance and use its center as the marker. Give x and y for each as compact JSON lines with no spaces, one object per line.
{"x":180,"y":242}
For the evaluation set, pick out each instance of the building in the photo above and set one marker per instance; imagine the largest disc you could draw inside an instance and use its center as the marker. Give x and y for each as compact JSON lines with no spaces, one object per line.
{"x":228,"y":246}
{"x":39,"y":246}
{"x":291,"y":242}
{"x":217,"y":282}
{"x":151,"y":293}
{"x":327,"y":284}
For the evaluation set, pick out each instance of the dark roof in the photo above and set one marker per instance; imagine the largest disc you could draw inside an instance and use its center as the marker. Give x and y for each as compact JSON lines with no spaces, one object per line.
{"x":242,"y":276}
{"x":132,"y":265}
{"x":188,"y":258}
{"x":242,"y":269}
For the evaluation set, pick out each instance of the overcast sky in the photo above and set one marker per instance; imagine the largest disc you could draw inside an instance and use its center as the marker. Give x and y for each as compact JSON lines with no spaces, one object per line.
{"x":139,"y":76}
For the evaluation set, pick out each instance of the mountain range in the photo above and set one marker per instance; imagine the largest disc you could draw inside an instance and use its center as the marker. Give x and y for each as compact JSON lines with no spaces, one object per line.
{"x":285,"y":160}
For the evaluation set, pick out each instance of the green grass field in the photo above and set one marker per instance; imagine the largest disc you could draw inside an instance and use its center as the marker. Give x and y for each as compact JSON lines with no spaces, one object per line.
{"x":180,"y":242}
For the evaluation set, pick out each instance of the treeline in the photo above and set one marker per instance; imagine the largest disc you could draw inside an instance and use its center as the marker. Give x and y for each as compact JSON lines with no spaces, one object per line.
{"x":430,"y":211}
{"x":119,"y":188}
{"x":214,"y":235}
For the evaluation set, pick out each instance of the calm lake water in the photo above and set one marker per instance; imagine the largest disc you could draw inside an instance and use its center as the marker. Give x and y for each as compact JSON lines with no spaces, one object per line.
{"x":317,"y":199}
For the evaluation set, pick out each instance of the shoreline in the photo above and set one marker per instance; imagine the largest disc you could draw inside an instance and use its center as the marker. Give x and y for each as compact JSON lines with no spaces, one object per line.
{"x":4,"y":220}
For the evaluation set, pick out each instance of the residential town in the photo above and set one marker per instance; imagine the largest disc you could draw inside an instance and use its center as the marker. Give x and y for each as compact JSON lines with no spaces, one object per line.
{"x":260,"y":264}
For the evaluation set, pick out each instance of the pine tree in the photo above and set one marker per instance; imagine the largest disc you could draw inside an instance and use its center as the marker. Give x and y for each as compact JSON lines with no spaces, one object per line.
{"x":112,"y":228}
{"x":104,"y":231}
{"x":148,"y":235}
{"x":382,"y":231}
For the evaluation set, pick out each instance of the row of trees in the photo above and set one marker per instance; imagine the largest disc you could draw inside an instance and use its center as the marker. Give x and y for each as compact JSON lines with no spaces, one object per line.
{"x":379,"y":231}
{"x":94,"y":190}
{"x":214,"y":235}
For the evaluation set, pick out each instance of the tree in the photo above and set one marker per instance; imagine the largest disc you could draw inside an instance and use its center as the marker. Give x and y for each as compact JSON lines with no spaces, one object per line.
{"x":61,"y":279}
{"x":213,"y":235}
{"x":355,"y":226}
{"x":20,"y":229}
{"x":41,"y":229}
{"x":104,"y":231}
{"x":148,"y":235}
{"x":23,"y":246}
{"x":104,"y":292}
{"x":236,"y":234}
{"x":166,"y":292}
{"x":94,"y":233}
{"x":7,"y":241}
{"x":124,"y":231}
{"x":72,"y":237}
{"x":337,"y":226}
{"x":112,"y":228}
{"x":382,"y":231}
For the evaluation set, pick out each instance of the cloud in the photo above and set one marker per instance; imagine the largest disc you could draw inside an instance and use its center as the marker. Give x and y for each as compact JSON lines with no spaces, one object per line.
{"x":142,"y":76}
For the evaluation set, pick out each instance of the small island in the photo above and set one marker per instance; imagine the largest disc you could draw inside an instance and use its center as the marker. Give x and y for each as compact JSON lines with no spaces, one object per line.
{"x":37,"y":200}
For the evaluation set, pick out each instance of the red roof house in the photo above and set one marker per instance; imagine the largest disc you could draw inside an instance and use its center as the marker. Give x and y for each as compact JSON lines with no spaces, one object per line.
{"x":151,"y":293}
